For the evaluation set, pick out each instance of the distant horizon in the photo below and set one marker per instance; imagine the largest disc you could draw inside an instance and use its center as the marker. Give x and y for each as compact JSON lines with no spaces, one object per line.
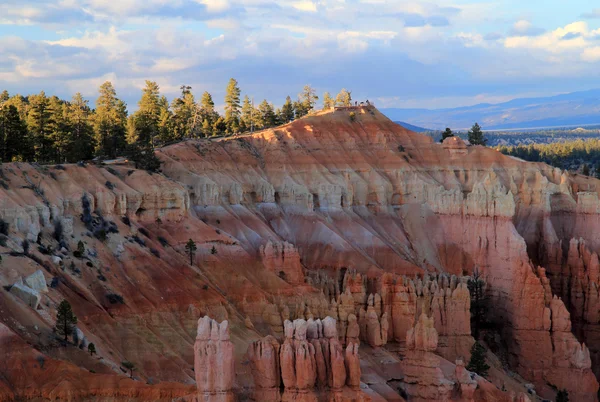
{"x":417,"y":54}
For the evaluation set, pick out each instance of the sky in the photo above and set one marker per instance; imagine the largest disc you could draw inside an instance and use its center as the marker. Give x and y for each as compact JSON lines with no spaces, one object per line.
{"x":409,"y":54}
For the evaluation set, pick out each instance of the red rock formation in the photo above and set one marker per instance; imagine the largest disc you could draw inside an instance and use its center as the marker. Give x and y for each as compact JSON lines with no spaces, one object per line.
{"x":213,"y":358}
{"x":368,"y":198}
{"x":264,"y":358}
{"x":283,"y":259}
{"x":423,"y":377}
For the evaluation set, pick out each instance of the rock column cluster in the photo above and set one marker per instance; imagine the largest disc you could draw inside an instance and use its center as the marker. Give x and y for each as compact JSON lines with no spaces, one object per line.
{"x":311,"y":356}
{"x":213,"y":358}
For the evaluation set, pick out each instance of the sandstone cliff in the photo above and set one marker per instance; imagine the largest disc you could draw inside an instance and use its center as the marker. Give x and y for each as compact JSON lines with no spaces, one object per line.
{"x":359,"y":220}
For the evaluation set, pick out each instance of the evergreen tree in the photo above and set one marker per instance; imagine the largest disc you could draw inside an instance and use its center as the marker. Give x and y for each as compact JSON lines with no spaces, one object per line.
{"x":300,"y":109}
{"x":92,"y":349}
{"x":60,"y":138}
{"x":191,"y":248}
{"x":267,"y":114}
{"x":479,"y":305}
{"x":344,"y":98}
{"x":477,"y":363}
{"x":562,"y":396}
{"x":82,"y":132}
{"x":39,"y":126}
{"x":110,"y":122}
{"x":65,"y":320}
{"x":207,"y":113}
{"x":287,"y":111}
{"x":597,"y":172}
{"x":308,"y":97}
{"x":246,"y":120}
{"x":447,"y":133}
{"x":166,"y":132}
{"x":143,"y":125}
{"x":232,"y":106}
{"x":328,"y":101}
{"x":585,"y":170}
{"x":4,"y":96}
{"x":129,"y":366}
{"x":184,"y":110}
{"x":14,"y":140}
{"x":219,"y":126}
{"x":476,"y":136}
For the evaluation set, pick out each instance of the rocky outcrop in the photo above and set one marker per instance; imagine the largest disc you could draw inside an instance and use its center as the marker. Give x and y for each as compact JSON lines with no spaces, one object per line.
{"x":311,"y":357}
{"x":213,"y":358}
{"x":28,"y":295}
{"x":423,"y":378}
{"x":282,"y":259}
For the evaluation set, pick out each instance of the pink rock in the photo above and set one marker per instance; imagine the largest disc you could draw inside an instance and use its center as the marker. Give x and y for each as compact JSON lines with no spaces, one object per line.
{"x":352,"y":361}
{"x":264,"y":359}
{"x":214,"y":364}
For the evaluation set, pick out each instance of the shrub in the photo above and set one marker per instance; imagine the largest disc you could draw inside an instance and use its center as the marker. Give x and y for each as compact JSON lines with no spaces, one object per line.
{"x":114,"y":298}
{"x":89,"y":264}
{"x":59,"y":167}
{"x":25,"y":245}
{"x":58,"y":231}
{"x":139,"y":241}
{"x":126,"y":220}
{"x":163,"y":241}
{"x":101,"y":277}
{"x":352,"y":117}
{"x":4,"y":227}
{"x":213,"y":250}
{"x":155,"y":252}
{"x":144,"y":231}
{"x":109,"y":185}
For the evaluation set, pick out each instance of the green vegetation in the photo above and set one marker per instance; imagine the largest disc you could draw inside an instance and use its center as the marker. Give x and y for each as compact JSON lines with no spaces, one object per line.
{"x":479,"y":302}
{"x":562,"y":396}
{"x":92,"y":349}
{"x":477,"y":363}
{"x":190,"y":248}
{"x":65,"y":320}
{"x":447,"y":133}
{"x":573,"y":155}
{"x":49,"y":130}
{"x":476,"y":136}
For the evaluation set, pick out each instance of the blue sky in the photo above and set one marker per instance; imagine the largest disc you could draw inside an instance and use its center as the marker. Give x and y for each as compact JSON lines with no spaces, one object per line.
{"x":397,"y":53}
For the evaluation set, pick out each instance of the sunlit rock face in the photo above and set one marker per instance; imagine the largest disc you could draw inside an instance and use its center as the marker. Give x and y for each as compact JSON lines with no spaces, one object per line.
{"x":362,"y":221}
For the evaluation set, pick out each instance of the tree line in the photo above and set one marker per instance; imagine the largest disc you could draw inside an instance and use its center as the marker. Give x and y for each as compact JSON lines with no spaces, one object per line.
{"x":578,"y":155}
{"x":47,"y":129}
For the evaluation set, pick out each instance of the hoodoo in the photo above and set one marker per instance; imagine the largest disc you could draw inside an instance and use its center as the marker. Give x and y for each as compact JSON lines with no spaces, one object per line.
{"x":334,"y":255}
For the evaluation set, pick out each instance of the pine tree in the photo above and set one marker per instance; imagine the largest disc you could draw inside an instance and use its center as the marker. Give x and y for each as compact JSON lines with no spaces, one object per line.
{"x":219,"y":126}
{"x":447,"y":133}
{"x":65,"y":320}
{"x":207,"y":111}
{"x":4,"y":96}
{"x":308,"y":97}
{"x":129,"y":366}
{"x":477,"y":363}
{"x":143,"y":125}
{"x":81,"y":130}
{"x":14,"y":140}
{"x":39,"y":126}
{"x":344,"y":98}
{"x":184,"y":109}
{"x":328,"y":101}
{"x":300,"y":109}
{"x":287,"y":111}
{"x":110,"y":122}
{"x":585,"y":170}
{"x":92,"y":349}
{"x":479,"y":304}
{"x":246,"y":120}
{"x":232,"y":106}
{"x":60,"y":139}
{"x":267,"y":114}
{"x":562,"y":396}
{"x":476,"y":136}
{"x":191,"y":248}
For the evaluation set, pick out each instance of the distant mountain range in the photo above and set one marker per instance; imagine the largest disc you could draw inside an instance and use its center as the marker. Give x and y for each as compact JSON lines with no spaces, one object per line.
{"x":410,"y":127}
{"x":573,"y":109}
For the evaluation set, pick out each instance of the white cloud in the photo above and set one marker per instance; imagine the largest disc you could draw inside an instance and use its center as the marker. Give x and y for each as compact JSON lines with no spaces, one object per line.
{"x":215,"y":6}
{"x":305,"y":6}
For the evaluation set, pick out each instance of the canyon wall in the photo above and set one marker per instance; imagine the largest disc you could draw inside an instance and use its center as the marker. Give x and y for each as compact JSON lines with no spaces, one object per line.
{"x":362,"y":221}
